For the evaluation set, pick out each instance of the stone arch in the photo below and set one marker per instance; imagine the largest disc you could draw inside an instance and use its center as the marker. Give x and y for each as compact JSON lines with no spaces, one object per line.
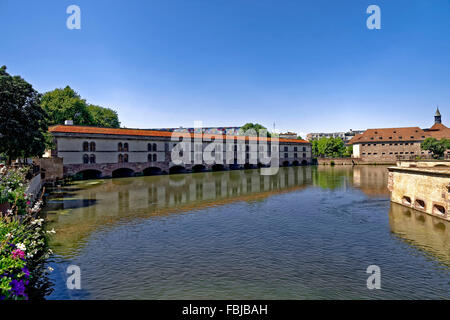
{"x":88,"y":174}
{"x":285,"y":163}
{"x":248,"y":166}
{"x":177,"y":169}
{"x":218,"y":167}
{"x":304,"y":162}
{"x":295,"y":163}
{"x":122,"y":173}
{"x":198,"y":168}
{"x":152,"y":171}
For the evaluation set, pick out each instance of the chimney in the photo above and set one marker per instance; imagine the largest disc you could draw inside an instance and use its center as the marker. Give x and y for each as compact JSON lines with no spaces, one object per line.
{"x":68,"y":122}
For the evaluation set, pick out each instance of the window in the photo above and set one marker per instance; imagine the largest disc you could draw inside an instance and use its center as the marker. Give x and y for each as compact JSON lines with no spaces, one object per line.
{"x":85,"y":158}
{"x":295,"y":155}
{"x":120,"y":158}
{"x":304,"y":155}
{"x":92,"y":158}
{"x":85,"y":146}
{"x":295,"y":149}
{"x":149,"y":157}
{"x":125,"y":158}
{"x":154,"y":157}
{"x":286,"y":149}
{"x":125,"y":147}
{"x":304,"y":148}
{"x":93,"y":146}
{"x":285,"y":155}
{"x":120,"y":147}
{"x":149,"y":147}
{"x":154,"y":147}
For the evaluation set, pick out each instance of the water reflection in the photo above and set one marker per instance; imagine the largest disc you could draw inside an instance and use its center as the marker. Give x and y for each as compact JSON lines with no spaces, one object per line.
{"x":429,"y":234}
{"x":238,"y":234}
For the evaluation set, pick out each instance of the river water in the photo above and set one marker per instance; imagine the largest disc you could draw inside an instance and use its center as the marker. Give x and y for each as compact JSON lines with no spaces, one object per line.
{"x":306,"y":233}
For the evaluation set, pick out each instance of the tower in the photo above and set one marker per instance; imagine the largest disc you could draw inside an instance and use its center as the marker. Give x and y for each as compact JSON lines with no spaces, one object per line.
{"x":437,"y":116}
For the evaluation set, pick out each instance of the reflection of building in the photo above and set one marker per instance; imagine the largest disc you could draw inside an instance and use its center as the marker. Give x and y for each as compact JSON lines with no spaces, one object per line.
{"x":429,"y":234}
{"x":103,"y":152}
{"x":108,"y":201}
{"x":389,"y":144}
{"x":346,"y":136}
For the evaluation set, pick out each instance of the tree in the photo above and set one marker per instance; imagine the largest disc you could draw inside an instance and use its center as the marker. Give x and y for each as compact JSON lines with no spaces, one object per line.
{"x":252,"y":126}
{"x":328,"y":147}
{"x":23,"y":123}
{"x":104,"y":117}
{"x":437,"y":147}
{"x":66,"y":104}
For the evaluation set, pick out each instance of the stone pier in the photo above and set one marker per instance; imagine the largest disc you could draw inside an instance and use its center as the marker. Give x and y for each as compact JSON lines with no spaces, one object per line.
{"x":422,"y":185}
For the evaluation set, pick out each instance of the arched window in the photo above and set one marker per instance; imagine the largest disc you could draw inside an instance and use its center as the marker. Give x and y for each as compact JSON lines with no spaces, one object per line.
{"x":85,"y":158}
{"x":92,"y":146}
{"x":125,"y":158}
{"x":119,"y":147}
{"x":85,"y":146}
{"x":92,"y":158}
{"x":149,"y":157}
{"x":154,"y":157}
{"x":149,"y":147}
{"x":125,"y":147}
{"x":120,"y":158}
{"x":154,"y":147}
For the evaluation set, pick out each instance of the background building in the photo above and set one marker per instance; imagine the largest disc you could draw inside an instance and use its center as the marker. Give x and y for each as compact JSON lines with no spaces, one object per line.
{"x":346,"y":136}
{"x":390,"y":144}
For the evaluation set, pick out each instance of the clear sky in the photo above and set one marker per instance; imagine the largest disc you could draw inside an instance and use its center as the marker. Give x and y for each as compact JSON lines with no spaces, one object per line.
{"x":308,"y":66}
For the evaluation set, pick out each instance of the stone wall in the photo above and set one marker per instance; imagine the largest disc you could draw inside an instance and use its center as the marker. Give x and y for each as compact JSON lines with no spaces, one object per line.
{"x":422,"y":188}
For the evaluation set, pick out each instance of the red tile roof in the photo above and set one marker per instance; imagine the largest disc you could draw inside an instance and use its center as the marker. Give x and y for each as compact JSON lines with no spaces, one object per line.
{"x":437,"y":131}
{"x":151,"y":133}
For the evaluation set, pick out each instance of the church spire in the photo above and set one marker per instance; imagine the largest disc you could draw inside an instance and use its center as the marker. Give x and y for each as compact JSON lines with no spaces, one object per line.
{"x":437,"y":116}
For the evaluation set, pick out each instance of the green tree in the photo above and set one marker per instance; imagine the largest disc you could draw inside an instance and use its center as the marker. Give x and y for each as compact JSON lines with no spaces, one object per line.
{"x":66,"y":104}
{"x":436,"y":147}
{"x":104,"y":117}
{"x":255,"y":126}
{"x":328,"y":147}
{"x":23,"y":123}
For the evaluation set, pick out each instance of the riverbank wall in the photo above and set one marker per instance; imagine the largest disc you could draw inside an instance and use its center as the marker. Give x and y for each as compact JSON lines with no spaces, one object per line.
{"x":422,"y":185}
{"x":350,"y":162}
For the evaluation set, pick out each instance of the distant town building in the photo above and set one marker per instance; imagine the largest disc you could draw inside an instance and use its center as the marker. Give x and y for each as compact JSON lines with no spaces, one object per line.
{"x":288,"y":135}
{"x":345,"y":136}
{"x":391,"y":144}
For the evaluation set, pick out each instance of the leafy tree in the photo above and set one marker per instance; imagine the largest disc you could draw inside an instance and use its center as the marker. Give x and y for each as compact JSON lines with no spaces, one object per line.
{"x":66,"y":104}
{"x":23,"y":123}
{"x":348,"y":151}
{"x":328,"y":147}
{"x":437,"y":147}
{"x":104,"y":117}
{"x":255,"y":126}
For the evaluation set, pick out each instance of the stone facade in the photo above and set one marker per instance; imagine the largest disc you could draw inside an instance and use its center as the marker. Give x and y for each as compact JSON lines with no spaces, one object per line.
{"x":423,"y":186}
{"x":106,"y":152}
{"x":391,"y":144}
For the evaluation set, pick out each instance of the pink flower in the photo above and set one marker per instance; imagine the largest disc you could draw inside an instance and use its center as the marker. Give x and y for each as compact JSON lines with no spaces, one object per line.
{"x":18,"y":254}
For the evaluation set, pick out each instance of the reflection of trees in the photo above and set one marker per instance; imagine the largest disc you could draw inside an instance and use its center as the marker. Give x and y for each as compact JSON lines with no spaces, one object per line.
{"x":430,"y":235}
{"x":332,"y":177}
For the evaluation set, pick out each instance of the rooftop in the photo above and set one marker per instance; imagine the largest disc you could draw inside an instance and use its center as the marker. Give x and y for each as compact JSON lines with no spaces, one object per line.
{"x":154,"y":133}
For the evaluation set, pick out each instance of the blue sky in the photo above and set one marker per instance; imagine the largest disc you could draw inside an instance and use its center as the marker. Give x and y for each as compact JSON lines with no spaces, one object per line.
{"x":308,"y":66}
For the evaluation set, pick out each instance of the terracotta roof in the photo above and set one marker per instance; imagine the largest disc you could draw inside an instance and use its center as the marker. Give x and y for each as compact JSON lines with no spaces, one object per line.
{"x":151,"y":133}
{"x":438,"y":131}
{"x":390,"y":134}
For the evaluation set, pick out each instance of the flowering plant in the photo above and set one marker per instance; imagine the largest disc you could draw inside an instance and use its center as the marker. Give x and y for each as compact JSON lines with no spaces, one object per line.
{"x":12,"y":188}
{"x":23,"y":238}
